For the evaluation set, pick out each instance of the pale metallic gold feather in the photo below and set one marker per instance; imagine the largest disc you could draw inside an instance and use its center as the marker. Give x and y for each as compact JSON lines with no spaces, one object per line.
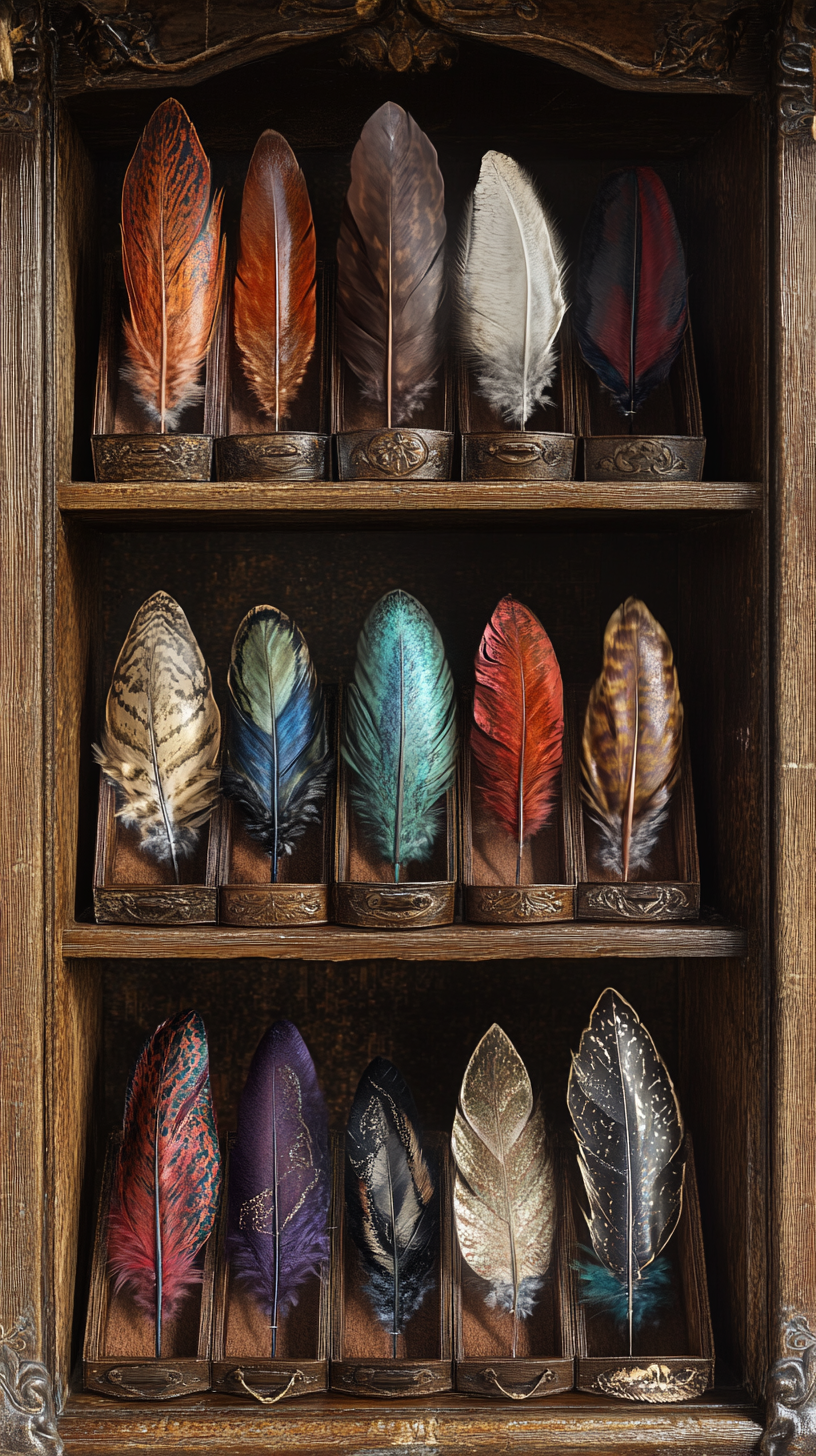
{"x":504,"y":1194}
{"x":162,"y":732}
{"x":633,"y":733}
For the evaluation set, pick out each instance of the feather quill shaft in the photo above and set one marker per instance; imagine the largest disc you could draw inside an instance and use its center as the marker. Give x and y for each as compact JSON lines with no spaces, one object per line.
{"x":631,"y":307}
{"x":518,"y":722}
{"x":391,"y":1198}
{"x":633,"y":734}
{"x":510,"y":300}
{"x":162,"y":733}
{"x":629,"y":1130}
{"x":173,"y":259}
{"x":400,"y":734}
{"x":278,"y":758}
{"x":390,"y":264}
{"x":168,"y":1177}
{"x":274,"y":297}
{"x":279,"y":1176}
{"x":504,"y":1194}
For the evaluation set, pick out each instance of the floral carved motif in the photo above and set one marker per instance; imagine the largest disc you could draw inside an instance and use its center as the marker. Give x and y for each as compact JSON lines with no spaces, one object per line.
{"x":400,"y":40}
{"x":790,"y":1393}
{"x":28,"y":1421}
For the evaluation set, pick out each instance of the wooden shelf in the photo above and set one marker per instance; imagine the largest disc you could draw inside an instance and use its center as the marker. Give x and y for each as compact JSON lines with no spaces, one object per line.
{"x":567,"y":940}
{"x":109,"y":503}
{"x":722,"y":1421}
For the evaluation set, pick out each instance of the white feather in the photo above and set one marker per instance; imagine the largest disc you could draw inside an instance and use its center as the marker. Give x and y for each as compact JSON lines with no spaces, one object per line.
{"x":510,"y":298}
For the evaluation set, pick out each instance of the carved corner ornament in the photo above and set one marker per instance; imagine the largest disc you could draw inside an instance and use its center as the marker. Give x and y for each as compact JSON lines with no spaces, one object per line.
{"x":28,"y":1420}
{"x":398,"y":40}
{"x":790,"y":1393}
{"x":22,"y":65}
{"x":702,"y":39}
{"x":796,"y":56}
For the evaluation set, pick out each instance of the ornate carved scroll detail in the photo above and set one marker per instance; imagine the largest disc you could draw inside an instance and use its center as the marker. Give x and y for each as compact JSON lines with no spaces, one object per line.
{"x":28,"y":1420}
{"x":795,"y":63}
{"x":790,"y":1392}
{"x":397,"y":454}
{"x":288,"y":455}
{"x":152,"y":457}
{"x":177,"y":905}
{"x":394,"y":907}
{"x":702,"y":39}
{"x":274,"y":906}
{"x":526,"y":455}
{"x":657,"y":1384}
{"x":107,"y":43}
{"x":638,"y":902}
{"x":400,"y":40}
{"x":22,"y":66}
{"x":516,"y":905}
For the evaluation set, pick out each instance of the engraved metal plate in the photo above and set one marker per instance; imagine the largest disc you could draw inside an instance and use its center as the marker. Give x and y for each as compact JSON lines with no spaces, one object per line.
{"x":644,"y":457}
{"x":287,"y":455}
{"x":397,"y":454}
{"x":657,"y":1384}
{"x":511,"y":905}
{"x":518,"y":455}
{"x":395,"y":907}
{"x":162,"y":905}
{"x":264,"y":905}
{"x":390,"y":1379}
{"x":148,"y":1381}
{"x":634,"y":901}
{"x":152,"y":457}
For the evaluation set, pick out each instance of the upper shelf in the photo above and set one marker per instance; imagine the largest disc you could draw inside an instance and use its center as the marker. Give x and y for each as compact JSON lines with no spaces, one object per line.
{"x":567,"y":940}
{"x":114,"y":503}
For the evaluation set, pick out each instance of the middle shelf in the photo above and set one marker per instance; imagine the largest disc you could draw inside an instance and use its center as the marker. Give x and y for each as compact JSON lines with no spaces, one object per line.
{"x":567,"y":940}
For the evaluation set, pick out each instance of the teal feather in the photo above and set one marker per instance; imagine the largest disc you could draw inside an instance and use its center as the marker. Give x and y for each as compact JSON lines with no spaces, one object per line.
{"x":400,"y":738}
{"x":603,"y":1290}
{"x":278,"y":760}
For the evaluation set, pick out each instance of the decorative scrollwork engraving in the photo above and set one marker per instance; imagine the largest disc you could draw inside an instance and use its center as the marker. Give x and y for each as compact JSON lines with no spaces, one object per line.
{"x":394,"y":906}
{"x":790,"y":1392}
{"x":795,"y":60}
{"x":638,"y":902}
{"x":274,"y":905}
{"x":288,"y":455}
{"x":514,"y":905}
{"x":108,"y":43}
{"x":28,"y":1420}
{"x":526,"y":454}
{"x":657,"y":1384}
{"x":397,"y":454}
{"x":400,"y":41}
{"x":394,"y":452}
{"x":637,"y":457}
{"x":178,"y":905}
{"x":702,"y":39}
{"x":152,"y":457}
{"x":22,"y":66}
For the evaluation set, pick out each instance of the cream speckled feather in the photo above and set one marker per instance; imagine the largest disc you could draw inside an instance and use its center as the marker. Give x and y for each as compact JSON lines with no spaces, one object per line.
{"x":162,"y":732}
{"x":504,"y":1196}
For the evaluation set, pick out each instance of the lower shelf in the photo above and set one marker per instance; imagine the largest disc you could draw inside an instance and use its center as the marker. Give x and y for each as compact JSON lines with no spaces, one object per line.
{"x":722,"y":1420}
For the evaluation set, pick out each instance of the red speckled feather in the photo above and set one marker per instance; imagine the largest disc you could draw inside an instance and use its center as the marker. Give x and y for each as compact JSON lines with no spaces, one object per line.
{"x":274,"y":294}
{"x":168,"y":1180}
{"x":518,"y":721}
{"x":173,"y":264}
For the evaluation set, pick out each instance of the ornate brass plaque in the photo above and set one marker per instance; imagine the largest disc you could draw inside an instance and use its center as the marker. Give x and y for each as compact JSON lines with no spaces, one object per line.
{"x":643,"y":457}
{"x":399,"y":454}
{"x":152,"y":457}
{"x":287,"y":455}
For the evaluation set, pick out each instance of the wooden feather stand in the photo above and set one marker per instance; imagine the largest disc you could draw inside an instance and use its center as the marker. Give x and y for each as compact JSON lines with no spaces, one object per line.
{"x":545,"y":1364}
{"x":117,"y":1354}
{"x":126,"y":444}
{"x":132,"y":888}
{"x":669,"y":444}
{"x":547,"y":891}
{"x":366,"y":450}
{"x":245,"y":447}
{"x":361,"y":893}
{"x":301,"y":895}
{"x":674,"y":1359}
{"x":241,"y":1363}
{"x":360,"y":1345}
{"x":670,"y":888}
{"x":490,"y":452}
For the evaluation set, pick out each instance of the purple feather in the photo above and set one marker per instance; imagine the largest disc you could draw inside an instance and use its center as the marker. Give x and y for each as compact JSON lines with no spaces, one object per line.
{"x":279,"y":1175}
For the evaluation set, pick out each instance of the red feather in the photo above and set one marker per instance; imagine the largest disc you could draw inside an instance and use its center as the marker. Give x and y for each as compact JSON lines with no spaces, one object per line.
{"x":518,"y":721}
{"x":168,"y":1180}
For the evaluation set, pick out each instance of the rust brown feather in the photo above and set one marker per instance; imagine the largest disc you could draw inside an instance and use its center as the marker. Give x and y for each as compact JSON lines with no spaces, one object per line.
{"x":633,"y":731}
{"x":275,"y":294}
{"x":173,"y":262}
{"x":390,"y":263}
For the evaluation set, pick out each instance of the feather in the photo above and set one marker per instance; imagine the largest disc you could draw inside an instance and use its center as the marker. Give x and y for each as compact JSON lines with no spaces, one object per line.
{"x":391,"y":1201}
{"x":510,"y":299}
{"x":168,"y":1179}
{"x":274,"y":297}
{"x":279,"y":1176}
{"x":504,"y":1195}
{"x":518,"y":722}
{"x":627,"y":1122}
{"x":633,"y":733}
{"x":631,"y":310}
{"x":173,"y":260}
{"x":278,"y":759}
{"x":390,"y":264}
{"x":162,"y":733}
{"x":400,"y":734}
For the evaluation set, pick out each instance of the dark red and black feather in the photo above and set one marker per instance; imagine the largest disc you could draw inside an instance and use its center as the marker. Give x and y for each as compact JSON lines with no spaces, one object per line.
{"x":631,"y":307}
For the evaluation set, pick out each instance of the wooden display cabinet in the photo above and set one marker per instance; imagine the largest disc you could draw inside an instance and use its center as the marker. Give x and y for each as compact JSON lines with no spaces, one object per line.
{"x":718,"y":97}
